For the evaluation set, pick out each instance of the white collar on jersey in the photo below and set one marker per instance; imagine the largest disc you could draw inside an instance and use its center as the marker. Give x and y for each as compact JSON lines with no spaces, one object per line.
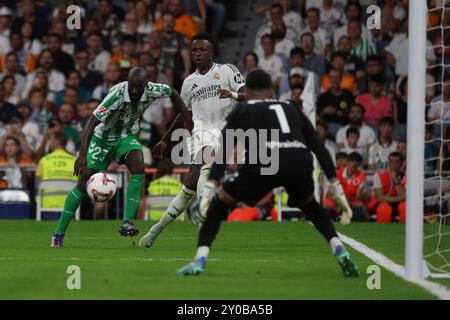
{"x":126,"y":95}
{"x":212,"y":67}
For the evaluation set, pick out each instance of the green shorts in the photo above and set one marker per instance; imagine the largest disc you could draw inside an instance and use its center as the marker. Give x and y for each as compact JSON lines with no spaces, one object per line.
{"x":101,"y":152}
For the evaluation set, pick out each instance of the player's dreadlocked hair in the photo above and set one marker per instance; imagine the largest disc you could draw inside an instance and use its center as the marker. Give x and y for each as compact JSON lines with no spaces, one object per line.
{"x":258,"y":80}
{"x":202,"y":36}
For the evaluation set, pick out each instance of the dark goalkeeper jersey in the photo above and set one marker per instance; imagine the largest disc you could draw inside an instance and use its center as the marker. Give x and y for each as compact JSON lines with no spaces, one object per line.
{"x":295,"y":138}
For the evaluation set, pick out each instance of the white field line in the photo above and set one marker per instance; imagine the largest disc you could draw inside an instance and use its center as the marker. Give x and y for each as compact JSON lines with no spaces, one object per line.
{"x":434,"y":288}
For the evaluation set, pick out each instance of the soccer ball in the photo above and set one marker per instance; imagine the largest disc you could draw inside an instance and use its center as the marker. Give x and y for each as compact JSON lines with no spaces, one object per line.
{"x":101,"y":187}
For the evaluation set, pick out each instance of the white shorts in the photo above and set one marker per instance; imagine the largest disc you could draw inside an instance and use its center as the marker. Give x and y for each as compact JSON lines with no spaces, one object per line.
{"x":203,"y":138}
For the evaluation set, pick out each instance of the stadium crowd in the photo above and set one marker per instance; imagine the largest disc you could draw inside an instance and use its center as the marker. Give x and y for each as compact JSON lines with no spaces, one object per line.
{"x":52,"y":78}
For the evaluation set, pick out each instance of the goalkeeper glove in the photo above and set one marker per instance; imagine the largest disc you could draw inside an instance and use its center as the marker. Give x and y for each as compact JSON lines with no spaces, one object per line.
{"x":340,"y":201}
{"x":201,"y":205}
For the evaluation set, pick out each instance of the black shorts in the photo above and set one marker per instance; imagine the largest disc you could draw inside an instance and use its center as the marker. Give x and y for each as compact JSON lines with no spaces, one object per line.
{"x":251,"y":188}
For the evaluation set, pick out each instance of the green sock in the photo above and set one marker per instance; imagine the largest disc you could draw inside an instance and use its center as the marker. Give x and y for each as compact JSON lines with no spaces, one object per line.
{"x":134,"y":194}
{"x":71,"y":205}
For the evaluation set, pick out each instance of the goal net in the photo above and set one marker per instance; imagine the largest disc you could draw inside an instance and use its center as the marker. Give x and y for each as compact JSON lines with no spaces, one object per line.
{"x":436,"y":244}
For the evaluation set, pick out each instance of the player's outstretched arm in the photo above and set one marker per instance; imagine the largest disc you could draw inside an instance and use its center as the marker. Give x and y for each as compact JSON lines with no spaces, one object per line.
{"x":239,"y":96}
{"x":80,"y":163}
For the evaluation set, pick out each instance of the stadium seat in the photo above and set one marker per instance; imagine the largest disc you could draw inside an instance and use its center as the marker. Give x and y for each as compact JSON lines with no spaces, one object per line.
{"x":58,"y":187}
{"x":14,"y":204}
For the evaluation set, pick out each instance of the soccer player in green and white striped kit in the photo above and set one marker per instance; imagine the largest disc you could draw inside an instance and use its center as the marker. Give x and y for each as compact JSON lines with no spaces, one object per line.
{"x":111,"y":131}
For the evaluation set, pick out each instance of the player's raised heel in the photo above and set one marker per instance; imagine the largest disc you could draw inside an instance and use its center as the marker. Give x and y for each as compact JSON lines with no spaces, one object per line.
{"x":349,"y":268}
{"x":194,"y":268}
{"x":148,"y":239}
{"x":57,"y":240}
{"x":128,"y":229}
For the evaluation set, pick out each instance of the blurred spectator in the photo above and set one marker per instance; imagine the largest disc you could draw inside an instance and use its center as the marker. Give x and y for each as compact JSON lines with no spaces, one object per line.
{"x":14,"y":127}
{"x":163,"y":184}
{"x":145,"y":24}
{"x":324,"y":135}
{"x":58,"y":164}
{"x":30,"y":43}
{"x":41,"y":114}
{"x":29,"y":127}
{"x":401,"y":103}
{"x":5,"y":21}
{"x":129,"y":30}
{"x":440,"y":105}
{"x":66,"y":115}
{"x":251,"y":62}
{"x":107,"y":18}
{"x":100,"y":58}
{"x":283,"y":45}
{"x":7,"y":109}
{"x":27,"y":61}
{"x":56,"y":79}
{"x":374,"y":102}
{"x":295,"y":95}
{"x":313,"y":61}
{"x":59,"y":27}
{"x":397,"y":52}
{"x":322,"y":44}
{"x":341,"y":160}
{"x":276,"y":18}
{"x":73,"y":82}
{"x":353,"y":64}
{"x":348,"y":81}
{"x":333,"y":105}
{"x":375,"y":67}
{"x":126,"y":55}
{"x":385,"y":145}
{"x":269,"y":61}
{"x":353,"y":181}
{"x":297,"y":58}
{"x":330,"y":17}
{"x":11,"y":67}
{"x":388,"y":201}
{"x":431,"y":151}
{"x":297,"y":77}
{"x":366,"y":134}
{"x":291,"y":18}
{"x":175,"y":52}
{"x":89,"y":78}
{"x":54,"y":126}
{"x":111,"y":78}
{"x":9,"y":84}
{"x":28,"y":14}
{"x":351,"y":144}
{"x":183,"y":22}
{"x":62,"y":61}
{"x":84,"y":110}
{"x":12,"y":159}
{"x":361,"y":48}
{"x":352,"y":13}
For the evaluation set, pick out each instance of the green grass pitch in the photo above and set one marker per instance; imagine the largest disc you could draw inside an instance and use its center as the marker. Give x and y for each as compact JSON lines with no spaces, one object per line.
{"x":259,"y":260}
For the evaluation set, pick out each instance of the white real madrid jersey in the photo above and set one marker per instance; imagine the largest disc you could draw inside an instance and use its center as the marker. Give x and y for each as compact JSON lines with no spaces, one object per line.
{"x":200,"y":94}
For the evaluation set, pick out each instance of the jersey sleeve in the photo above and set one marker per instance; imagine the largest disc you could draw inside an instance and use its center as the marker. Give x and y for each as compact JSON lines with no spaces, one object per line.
{"x":158,"y":90}
{"x":110,"y":103}
{"x":235,"y":78}
{"x":186,"y":96}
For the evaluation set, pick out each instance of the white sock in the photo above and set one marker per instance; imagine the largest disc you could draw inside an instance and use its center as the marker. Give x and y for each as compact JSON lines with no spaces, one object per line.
{"x":334,"y":242}
{"x":175,"y":208}
{"x":202,"y":251}
{"x":203,"y":178}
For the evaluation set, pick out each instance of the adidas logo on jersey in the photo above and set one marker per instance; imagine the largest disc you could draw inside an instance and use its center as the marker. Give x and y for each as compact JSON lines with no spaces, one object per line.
{"x":194,"y":86}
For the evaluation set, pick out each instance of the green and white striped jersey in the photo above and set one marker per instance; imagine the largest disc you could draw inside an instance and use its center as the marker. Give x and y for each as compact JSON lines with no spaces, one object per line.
{"x":119,"y":116}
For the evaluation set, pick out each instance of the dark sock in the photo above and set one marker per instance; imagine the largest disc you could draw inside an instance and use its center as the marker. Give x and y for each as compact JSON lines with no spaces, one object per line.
{"x":317,"y":215}
{"x":217,"y":212}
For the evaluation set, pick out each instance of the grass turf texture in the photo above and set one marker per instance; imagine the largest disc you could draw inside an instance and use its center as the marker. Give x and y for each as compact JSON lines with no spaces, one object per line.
{"x":259,"y":260}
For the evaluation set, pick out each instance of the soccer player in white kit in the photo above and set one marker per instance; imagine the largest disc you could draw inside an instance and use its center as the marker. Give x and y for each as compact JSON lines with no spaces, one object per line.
{"x":210,"y":93}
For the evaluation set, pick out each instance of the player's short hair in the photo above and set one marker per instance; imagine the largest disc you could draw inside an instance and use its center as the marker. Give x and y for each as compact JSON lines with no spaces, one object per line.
{"x":61,"y":138}
{"x":350,"y":131}
{"x":386,"y":120}
{"x":202,"y":36}
{"x":341,"y":155}
{"x":258,"y":80}
{"x":355,"y":156}
{"x":359,"y":106}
